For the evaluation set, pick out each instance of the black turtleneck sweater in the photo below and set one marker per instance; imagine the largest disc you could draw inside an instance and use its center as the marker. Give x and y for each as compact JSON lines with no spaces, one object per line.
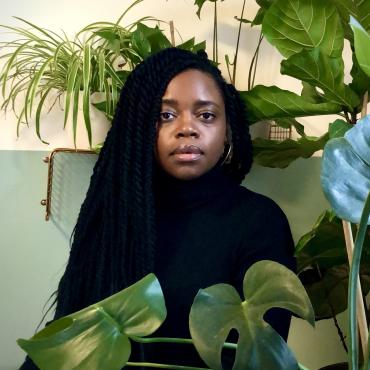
{"x":211,"y":230}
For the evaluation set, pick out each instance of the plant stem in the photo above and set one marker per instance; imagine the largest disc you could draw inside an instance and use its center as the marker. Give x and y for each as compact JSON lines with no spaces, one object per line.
{"x":215,"y":36}
{"x":174,"y":340}
{"x":327,"y":293}
{"x":165,"y":366}
{"x":354,"y":295}
{"x":253,"y":66}
{"x":237,"y":45}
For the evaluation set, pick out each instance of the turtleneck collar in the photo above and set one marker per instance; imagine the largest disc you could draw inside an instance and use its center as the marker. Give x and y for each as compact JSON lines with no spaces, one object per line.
{"x":172,"y":193}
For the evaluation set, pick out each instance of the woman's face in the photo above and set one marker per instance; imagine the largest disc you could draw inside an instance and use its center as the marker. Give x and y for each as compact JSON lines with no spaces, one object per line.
{"x":191,"y":131}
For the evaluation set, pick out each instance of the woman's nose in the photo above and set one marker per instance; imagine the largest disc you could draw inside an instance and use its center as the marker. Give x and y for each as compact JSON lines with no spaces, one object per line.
{"x":187,"y":128}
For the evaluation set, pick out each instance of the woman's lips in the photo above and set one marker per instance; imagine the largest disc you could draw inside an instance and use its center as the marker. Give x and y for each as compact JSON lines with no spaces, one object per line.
{"x":187,"y":153}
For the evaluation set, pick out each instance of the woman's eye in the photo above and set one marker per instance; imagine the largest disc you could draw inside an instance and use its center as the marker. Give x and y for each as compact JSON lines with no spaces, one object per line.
{"x":207,"y":116}
{"x":166,"y":116}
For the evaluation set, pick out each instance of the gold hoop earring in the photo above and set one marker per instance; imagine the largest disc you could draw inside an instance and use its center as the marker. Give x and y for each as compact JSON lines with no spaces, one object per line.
{"x":228,"y":157}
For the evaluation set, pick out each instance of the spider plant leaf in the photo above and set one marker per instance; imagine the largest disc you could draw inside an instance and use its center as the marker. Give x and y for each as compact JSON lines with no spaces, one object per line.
{"x":76,"y":95}
{"x":127,"y":10}
{"x":218,"y":309}
{"x":38,"y":114}
{"x":97,"y":337}
{"x":108,"y":97}
{"x":86,"y":72}
{"x":35,"y":83}
{"x":41,"y":30}
{"x":345,"y":175}
{"x":71,"y":85}
{"x":114,"y":75}
{"x":19,"y":120}
{"x":101,"y":63}
{"x":10,"y":64}
{"x":114,"y":95}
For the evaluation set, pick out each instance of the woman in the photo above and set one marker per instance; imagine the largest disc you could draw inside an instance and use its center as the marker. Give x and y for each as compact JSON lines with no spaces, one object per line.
{"x":165,"y":197}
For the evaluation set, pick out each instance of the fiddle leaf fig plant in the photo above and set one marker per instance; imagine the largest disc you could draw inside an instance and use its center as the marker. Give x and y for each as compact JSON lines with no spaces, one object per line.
{"x":218,"y":309}
{"x":98,"y":337}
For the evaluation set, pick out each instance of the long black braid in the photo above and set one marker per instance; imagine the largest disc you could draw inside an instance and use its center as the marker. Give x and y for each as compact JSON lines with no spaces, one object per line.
{"x":115,"y":236}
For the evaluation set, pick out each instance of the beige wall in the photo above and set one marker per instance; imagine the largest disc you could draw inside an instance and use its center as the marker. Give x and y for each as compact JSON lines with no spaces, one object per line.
{"x":71,"y":16}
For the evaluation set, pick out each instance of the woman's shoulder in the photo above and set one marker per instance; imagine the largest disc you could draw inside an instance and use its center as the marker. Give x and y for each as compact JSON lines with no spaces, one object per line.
{"x":255,"y":202}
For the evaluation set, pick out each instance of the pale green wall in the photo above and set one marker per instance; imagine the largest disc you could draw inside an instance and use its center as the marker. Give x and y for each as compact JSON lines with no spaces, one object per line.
{"x":33,"y":252}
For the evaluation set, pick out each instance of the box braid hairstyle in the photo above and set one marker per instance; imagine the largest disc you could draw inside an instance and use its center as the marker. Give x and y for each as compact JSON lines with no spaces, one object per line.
{"x":114,"y":237}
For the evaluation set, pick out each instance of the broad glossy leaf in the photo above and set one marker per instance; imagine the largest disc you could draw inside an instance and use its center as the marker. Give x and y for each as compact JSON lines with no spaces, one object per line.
{"x":294,"y":25}
{"x":272,"y":153}
{"x":323,"y":245}
{"x":200,"y":3}
{"x":363,"y":11}
{"x":362,"y":46}
{"x":323,"y":265}
{"x":97,"y":337}
{"x":338,"y":128}
{"x":270,"y":102}
{"x":218,"y":309}
{"x":316,"y":68}
{"x":328,"y":290}
{"x":360,"y":80}
{"x":345,"y":175}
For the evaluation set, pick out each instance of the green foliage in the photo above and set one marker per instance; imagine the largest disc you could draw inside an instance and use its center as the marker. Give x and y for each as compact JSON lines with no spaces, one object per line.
{"x":348,"y":158}
{"x":324,"y":72}
{"x":270,"y":102}
{"x":323,"y":266}
{"x":40,"y":65}
{"x":200,"y":3}
{"x":292,"y":26}
{"x":362,"y":46}
{"x":273,"y":153}
{"x":97,"y":337}
{"x":346,"y":183}
{"x":218,"y":309}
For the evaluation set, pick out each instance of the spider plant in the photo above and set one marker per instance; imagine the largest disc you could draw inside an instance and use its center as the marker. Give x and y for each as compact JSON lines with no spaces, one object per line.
{"x":41,"y":64}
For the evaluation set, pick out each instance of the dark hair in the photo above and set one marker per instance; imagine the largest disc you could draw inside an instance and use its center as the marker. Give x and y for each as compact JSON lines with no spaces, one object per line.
{"x":114,"y":238}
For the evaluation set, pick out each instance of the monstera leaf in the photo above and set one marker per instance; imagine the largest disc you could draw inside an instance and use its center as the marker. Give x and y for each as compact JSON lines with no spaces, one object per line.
{"x":219,"y":309}
{"x":97,"y":337}
{"x":345,"y":175}
{"x":294,"y":25}
{"x":345,"y":179}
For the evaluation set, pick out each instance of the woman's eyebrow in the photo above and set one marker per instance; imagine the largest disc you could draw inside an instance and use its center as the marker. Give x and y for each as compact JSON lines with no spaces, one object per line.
{"x":198,"y":103}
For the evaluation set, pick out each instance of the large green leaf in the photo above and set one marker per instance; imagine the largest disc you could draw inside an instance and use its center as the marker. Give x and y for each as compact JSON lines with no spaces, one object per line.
{"x":270,"y":102}
{"x":97,"y":337}
{"x":219,"y":309}
{"x":328,"y":288}
{"x":362,"y":46}
{"x":345,"y":173}
{"x":338,"y":128}
{"x":323,"y":265}
{"x":272,"y":153}
{"x":294,"y":25}
{"x":326,"y":73}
